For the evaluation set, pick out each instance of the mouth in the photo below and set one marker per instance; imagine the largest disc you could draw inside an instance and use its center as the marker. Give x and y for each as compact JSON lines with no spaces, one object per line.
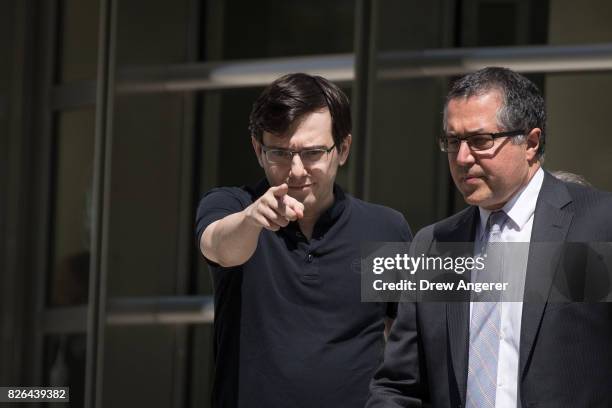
{"x":471,"y":178}
{"x":300,"y":186}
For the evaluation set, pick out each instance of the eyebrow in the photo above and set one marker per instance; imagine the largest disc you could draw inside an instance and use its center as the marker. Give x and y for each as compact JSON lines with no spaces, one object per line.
{"x":478,"y":131}
{"x":304,"y":148}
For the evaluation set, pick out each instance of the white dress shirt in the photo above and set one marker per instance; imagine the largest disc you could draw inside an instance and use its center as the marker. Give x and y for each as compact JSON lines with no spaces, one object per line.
{"x":520,"y":210}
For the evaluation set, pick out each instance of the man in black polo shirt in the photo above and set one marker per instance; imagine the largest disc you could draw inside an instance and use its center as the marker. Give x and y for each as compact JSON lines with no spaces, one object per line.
{"x":290,"y":327}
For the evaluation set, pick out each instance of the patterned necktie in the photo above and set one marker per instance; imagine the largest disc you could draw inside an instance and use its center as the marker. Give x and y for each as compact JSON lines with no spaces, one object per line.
{"x":485,"y":324}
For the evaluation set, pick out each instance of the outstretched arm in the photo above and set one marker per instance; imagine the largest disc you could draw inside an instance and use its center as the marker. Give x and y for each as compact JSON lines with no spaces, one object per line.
{"x":232,"y":240}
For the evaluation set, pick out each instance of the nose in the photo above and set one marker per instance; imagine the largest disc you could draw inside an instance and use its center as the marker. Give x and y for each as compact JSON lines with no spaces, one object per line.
{"x":297,"y":166}
{"x":464,"y":156}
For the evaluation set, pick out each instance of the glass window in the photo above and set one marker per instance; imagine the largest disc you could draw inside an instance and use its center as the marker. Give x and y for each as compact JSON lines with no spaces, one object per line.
{"x":64,"y":365}
{"x":74,"y":152}
{"x":405,"y":164}
{"x":578,"y":103}
{"x":79,"y":40}
{"x":157,"y":33}
{"x":590,"y":22}
{"x":281,"y":28}
{"x":202,"y":366}
{"x":145,"y":195}
{"x":578,"y":134}
{"x":140,"y":366}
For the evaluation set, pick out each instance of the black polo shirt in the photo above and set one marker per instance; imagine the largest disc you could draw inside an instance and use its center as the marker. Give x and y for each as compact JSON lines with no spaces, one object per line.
{"x":290,"y":327}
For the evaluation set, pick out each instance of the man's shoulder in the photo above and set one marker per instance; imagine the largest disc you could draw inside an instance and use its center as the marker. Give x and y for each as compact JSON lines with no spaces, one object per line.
{"x":450,"y":223}
{"x":380,"y":218}
{"x":241,"y":196}
{"x":375,"y":210}
{"x":228,"y":191}
{"x":591,"y":209}
{"x":588,"y":197}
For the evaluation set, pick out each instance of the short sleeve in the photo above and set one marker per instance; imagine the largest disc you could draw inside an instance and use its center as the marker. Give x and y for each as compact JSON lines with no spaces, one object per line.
{"x":218,"y":203}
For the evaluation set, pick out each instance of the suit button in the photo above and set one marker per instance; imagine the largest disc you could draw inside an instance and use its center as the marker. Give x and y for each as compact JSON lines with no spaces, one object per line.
{"x":309,"y":258}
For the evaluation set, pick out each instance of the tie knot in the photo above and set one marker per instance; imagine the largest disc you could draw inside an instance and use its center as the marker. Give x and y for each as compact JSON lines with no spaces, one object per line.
{"x":496,"y":221}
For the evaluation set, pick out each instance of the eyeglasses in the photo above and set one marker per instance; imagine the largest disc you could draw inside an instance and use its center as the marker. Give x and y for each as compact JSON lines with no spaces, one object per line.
{"x":476,"y":142}
{"x":284,"y":156}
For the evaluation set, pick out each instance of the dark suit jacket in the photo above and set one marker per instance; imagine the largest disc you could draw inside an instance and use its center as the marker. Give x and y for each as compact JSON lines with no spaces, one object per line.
{"x":565,"y":348}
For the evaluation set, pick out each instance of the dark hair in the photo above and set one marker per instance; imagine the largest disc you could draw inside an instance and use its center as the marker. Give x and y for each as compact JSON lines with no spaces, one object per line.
{"x":523,"y":106}
{"x":292,"y":96}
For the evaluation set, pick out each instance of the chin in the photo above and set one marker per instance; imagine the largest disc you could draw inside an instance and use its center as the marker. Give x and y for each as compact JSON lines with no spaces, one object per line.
{"x":487,"y":204}
{"x":474,"y":198}
{"x":298,"y":195}
{"x":308,"y":200}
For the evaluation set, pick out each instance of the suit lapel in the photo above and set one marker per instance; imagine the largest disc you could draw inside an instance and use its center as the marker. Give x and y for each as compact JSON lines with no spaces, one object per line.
{"x":458,"y":313}
{"x":550,"y":225}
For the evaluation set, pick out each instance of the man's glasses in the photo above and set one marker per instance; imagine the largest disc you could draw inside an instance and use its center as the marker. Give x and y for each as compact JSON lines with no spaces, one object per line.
{"x":476,"y":142}
{"x":285,"y":157}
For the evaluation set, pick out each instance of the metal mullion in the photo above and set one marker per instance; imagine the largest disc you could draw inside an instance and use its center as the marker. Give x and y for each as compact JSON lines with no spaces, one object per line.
{"x":360,"y":95}
{"x":339,"y":67}
{"x":49,"y":12}
{"x":230,"y":74}
{"x":445,"y":188}
{"x":180,"y":311}
{"x":175,"y":310}
{"x":96,"y":320}
{"x":14,"y":261}
{"x":525,"y":59}
{"x":184,"y":241}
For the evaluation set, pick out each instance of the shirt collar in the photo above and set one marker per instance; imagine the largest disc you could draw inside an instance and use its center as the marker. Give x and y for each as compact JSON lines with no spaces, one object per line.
{"x":521,"y":206}
{"x":329,"y":216}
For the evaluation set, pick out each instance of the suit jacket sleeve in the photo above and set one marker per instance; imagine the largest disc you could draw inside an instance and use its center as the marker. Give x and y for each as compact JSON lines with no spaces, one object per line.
{"x":397,"y":382}
{"x":401,"y":379}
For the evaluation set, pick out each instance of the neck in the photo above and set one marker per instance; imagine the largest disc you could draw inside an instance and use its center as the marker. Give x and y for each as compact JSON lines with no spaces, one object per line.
{"x":311,"y":215}
{"x":531,"y":172}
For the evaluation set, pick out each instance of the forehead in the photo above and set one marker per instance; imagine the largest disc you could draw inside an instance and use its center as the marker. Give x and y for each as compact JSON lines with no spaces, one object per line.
{"x":314,"y":129}
{"x":475,"y":113}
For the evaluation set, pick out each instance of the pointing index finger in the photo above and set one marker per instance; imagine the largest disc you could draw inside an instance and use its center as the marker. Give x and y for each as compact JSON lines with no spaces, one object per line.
{"x":295,"y":205}
{"x":280,"y":191}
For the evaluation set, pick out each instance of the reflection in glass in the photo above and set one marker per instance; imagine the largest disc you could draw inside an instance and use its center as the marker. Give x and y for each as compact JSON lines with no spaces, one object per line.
{"x":71,"y":216}
{"x":64,"y":366}
{"x":144,"y":366}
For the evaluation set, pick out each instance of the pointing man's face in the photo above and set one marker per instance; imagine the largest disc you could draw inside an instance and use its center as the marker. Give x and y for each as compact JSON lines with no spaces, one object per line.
{"x":309,"y":182}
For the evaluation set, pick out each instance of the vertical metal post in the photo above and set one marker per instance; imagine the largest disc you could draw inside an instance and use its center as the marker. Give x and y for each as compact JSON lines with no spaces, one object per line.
{"x":101,"y":204}
{"x":182,"y":353}
{"x":44,"y":130}
{"x":359,"y":171}
{"x":16,"y":175}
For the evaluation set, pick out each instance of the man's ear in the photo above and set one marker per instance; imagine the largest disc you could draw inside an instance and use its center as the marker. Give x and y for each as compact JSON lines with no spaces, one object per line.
{"x":257,"y":148}
{"x":345,"y":148}
{"x":533,"y":143}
